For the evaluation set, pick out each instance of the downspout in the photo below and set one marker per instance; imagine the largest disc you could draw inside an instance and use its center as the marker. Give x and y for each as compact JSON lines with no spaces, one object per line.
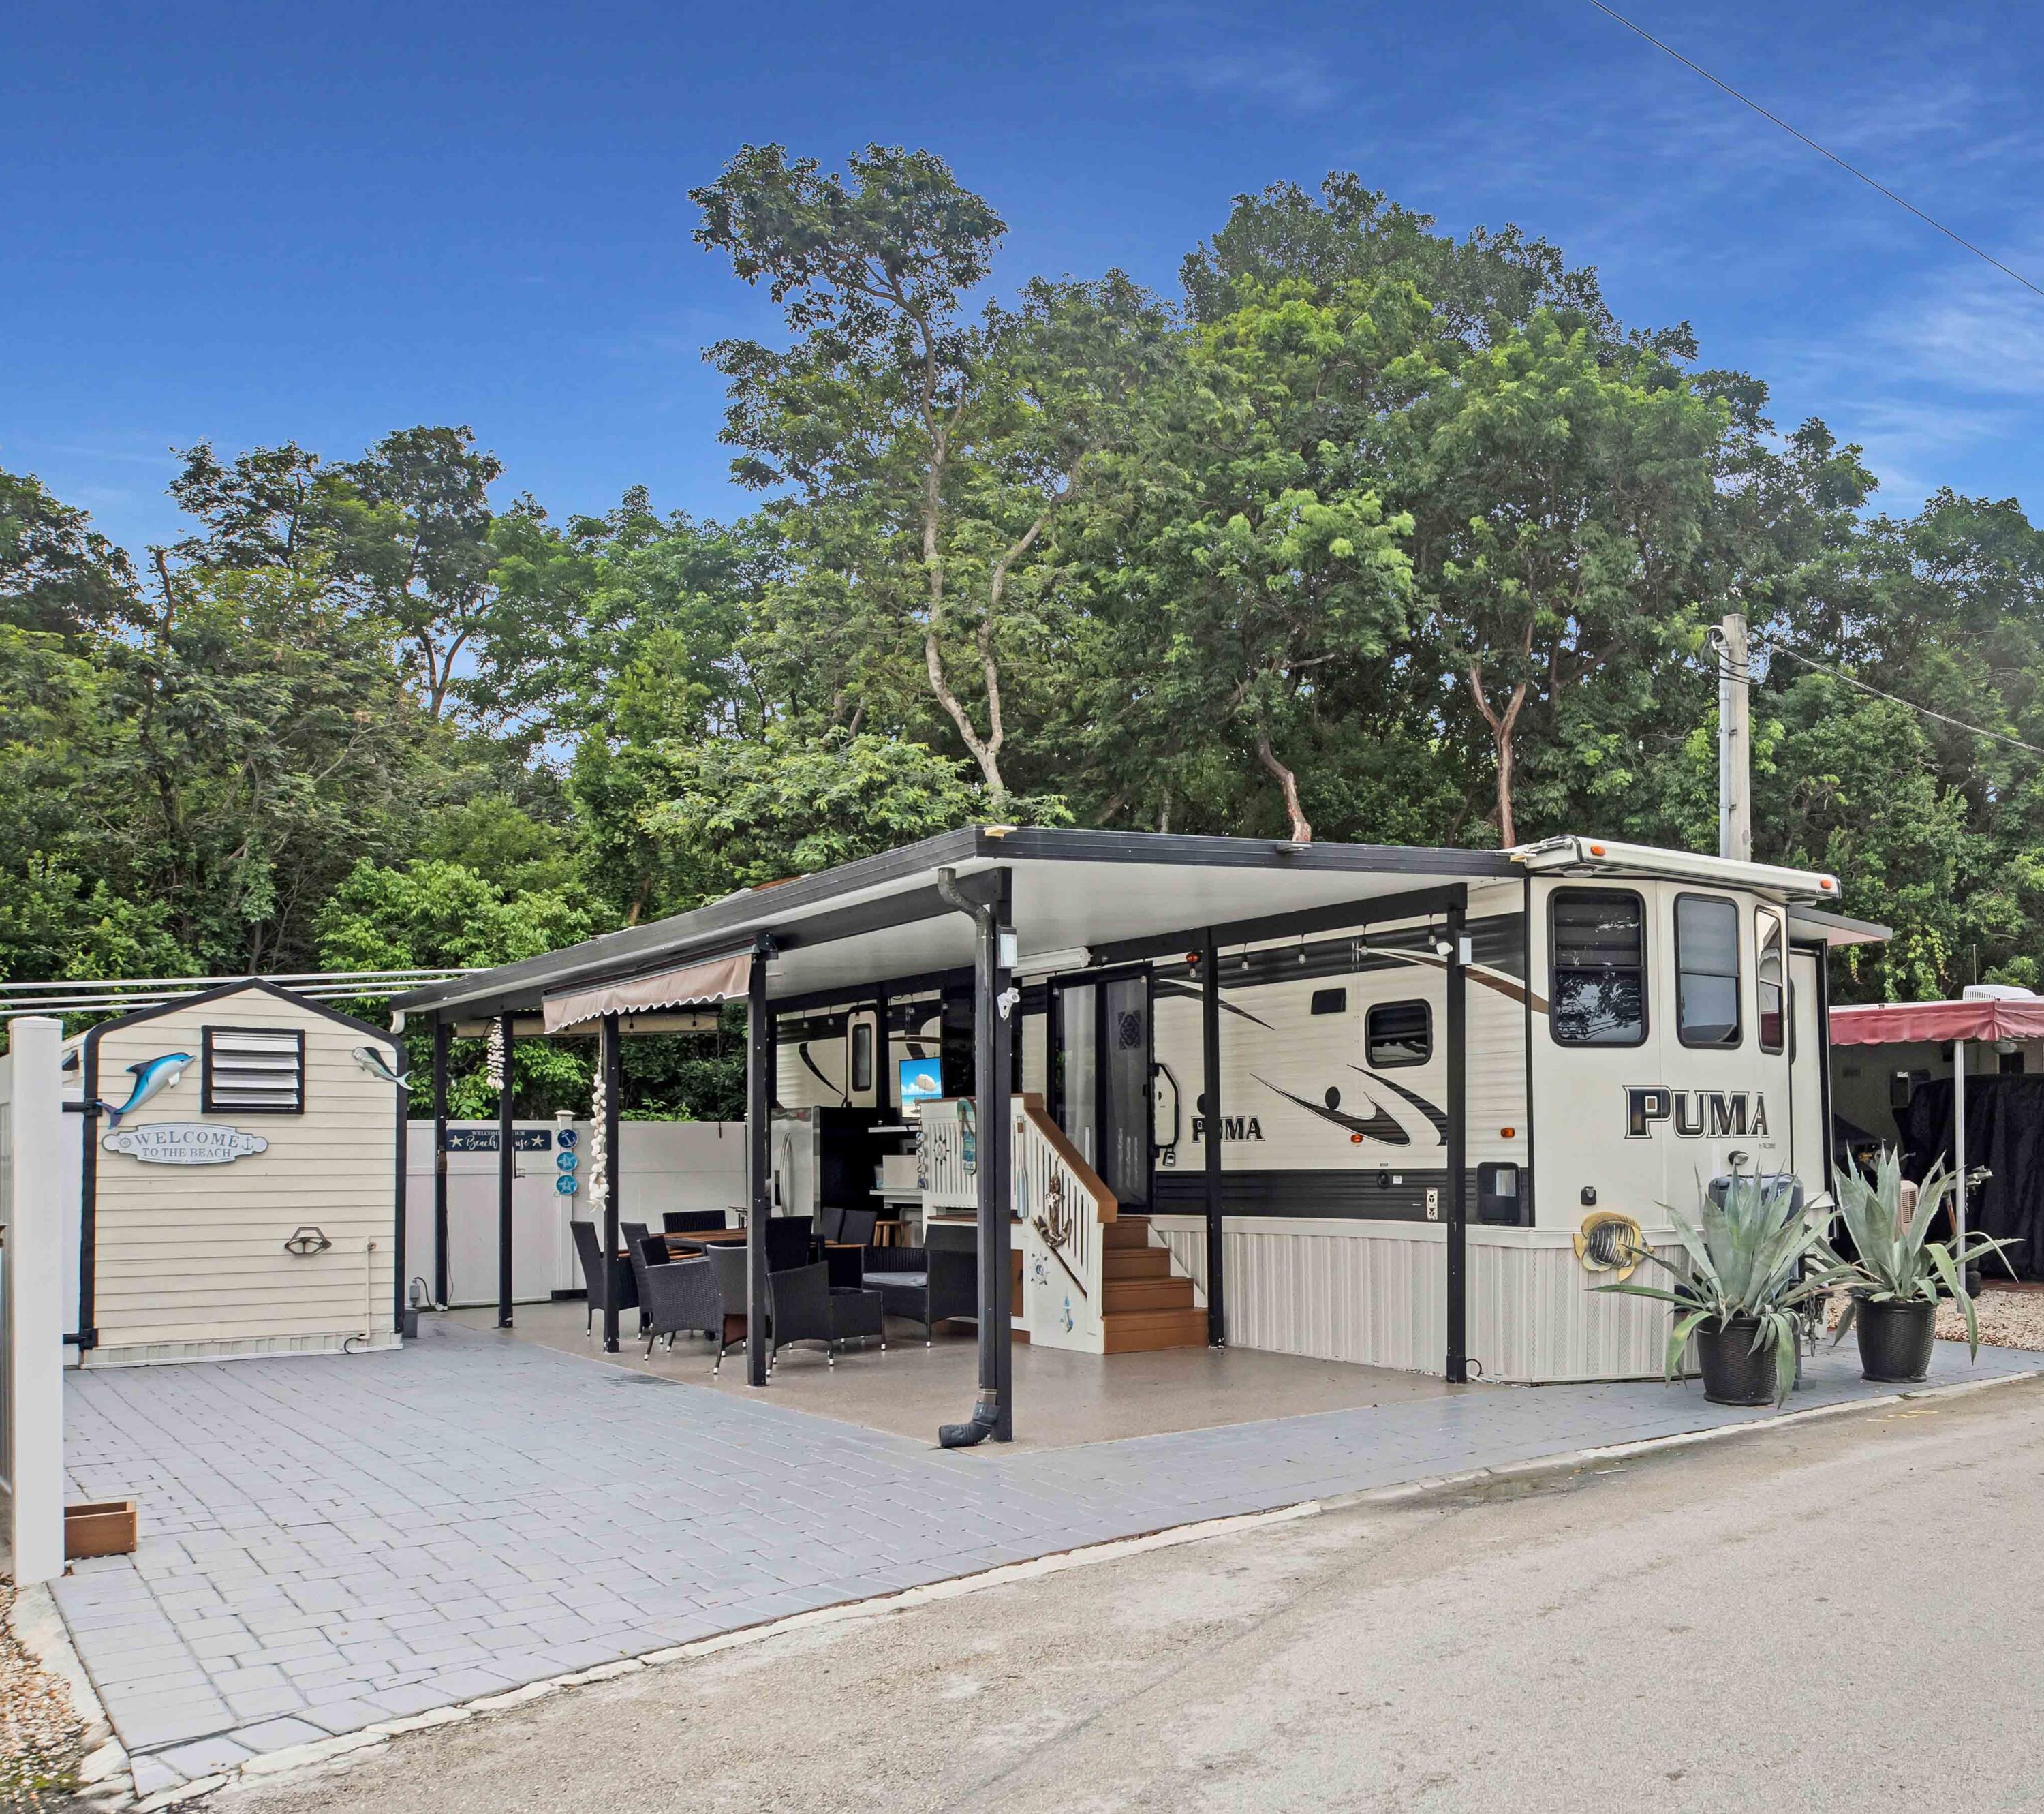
{"x":986,"y":1411}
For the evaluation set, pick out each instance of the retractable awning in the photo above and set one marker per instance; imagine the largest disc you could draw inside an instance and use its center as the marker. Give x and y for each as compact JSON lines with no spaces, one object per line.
{"x":694,"y":985}
{"x":1896,"y":1023}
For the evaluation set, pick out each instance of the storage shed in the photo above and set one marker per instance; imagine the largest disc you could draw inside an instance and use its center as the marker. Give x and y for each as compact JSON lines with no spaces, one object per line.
{"x":240,"y":1175}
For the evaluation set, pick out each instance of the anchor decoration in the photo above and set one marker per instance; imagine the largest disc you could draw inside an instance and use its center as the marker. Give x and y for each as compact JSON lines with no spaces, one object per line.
{"x":1069,"y":1325}
{"x":1054,"y":1224}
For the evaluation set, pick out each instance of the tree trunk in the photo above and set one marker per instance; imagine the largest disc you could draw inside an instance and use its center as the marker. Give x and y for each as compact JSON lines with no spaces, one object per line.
{"x":1503,"y":727}
{"x":1302,"y":830}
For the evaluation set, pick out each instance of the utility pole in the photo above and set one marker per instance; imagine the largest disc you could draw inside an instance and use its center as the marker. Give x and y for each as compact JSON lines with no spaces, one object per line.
{"x":1734,"y":741}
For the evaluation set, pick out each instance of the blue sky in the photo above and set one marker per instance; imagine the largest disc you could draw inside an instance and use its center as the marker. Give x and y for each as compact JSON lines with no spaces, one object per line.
{"x":255,"y":222}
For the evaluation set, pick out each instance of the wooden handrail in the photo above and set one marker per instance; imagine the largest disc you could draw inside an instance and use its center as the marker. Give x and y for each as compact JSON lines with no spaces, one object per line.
{"x":1106,"y":1206}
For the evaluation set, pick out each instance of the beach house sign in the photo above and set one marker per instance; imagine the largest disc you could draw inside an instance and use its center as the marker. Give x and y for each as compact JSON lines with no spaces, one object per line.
{"x":184,"y":1142}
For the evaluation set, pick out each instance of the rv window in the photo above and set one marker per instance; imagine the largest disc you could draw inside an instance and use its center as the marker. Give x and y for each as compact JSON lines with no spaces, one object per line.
{"x":1597,"y":967}
{"x":1706,"y":970}
{"x":1768,"y":980}
{"x":1330,"y":1001}
{"x":862,"y":1055}
{"x":1398,"y":1032}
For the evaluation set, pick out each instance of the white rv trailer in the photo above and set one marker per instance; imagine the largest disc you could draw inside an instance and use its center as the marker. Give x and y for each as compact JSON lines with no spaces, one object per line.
{"x":1376,"y":1101}
{"x":1638,"y":1021}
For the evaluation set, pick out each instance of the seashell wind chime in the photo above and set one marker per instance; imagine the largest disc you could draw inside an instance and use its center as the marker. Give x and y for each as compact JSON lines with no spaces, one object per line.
{"x":599,"y":1145}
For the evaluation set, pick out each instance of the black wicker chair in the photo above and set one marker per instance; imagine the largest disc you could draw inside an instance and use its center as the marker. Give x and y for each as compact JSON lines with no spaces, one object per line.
{"x":674,"y":1295}
{"x":791,"y":1241}
{"x":857,"y":1225}
{"x":634,"y":1232}
{"x":798,"y":1309}
{"x":928,"y":1284}
{"x":603,"y":1285}
{"x":728,"y":1271}
{"x":856,"y":1314}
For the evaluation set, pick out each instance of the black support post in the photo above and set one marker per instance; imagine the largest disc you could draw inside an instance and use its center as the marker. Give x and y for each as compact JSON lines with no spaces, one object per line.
{"x":442,"y":1034}
{"x":994,"y":1050}
{"x":610,"y":1054}
{"x":401,"y":1207}
{"x":1210,"y":1110}
{"x":989,"y":900}
{"x":507,"y":1173}
{"x":1457,"y":1107}
{"x":758,"y":1160}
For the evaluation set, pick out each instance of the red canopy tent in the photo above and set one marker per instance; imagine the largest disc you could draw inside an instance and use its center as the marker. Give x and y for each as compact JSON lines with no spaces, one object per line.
{"x":1891,"y":1023}
{"x":1988,"y":1017}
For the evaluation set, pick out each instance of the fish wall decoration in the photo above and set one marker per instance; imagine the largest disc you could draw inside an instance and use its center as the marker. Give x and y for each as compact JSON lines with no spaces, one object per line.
{"x":379,"y":1067}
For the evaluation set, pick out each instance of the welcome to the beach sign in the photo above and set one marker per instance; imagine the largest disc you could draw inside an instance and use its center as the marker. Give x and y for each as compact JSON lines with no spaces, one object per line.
{"x":184,"y":1142}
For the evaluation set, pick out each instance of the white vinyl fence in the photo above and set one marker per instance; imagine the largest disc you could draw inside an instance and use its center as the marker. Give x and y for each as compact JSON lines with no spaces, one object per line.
{"x":31,"y":1305}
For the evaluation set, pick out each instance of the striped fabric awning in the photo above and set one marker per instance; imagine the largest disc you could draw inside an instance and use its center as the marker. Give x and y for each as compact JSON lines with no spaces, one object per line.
{"x":715,"y":979}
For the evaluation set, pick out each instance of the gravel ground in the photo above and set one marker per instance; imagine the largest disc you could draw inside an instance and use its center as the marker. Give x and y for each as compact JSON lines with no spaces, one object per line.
{"x":40,"y":1735}
{"x":2009,"y":1318}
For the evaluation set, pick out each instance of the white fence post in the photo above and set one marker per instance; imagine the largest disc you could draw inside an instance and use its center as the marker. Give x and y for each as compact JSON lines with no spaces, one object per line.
{"x":31,"y":1161}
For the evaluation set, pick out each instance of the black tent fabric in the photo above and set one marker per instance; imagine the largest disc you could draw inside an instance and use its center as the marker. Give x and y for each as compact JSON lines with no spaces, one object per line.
{"x":2005,"y":1133}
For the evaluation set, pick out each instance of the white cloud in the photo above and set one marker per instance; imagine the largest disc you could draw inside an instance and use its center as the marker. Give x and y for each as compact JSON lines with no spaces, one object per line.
{"x":1288,"y":79}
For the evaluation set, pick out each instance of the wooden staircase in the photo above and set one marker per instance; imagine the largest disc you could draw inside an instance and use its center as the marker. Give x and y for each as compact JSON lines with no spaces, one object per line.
{"x":1144,"y":1303}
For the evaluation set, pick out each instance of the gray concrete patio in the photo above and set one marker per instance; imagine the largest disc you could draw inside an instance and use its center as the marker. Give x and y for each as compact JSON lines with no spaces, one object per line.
{"x":329,"y":1542}
{"x":1062,"y":1398}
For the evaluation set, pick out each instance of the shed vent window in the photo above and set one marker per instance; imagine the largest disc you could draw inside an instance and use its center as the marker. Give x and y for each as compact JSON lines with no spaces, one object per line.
{"x":1398,"y":1032}
{"x":1707,"y":970}
{"x":1597,"y":942}
{"x":254,"y":1071}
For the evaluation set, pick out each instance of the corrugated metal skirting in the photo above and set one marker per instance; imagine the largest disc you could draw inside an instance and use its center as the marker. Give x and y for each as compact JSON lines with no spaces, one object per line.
{"x":1377,"y":1296}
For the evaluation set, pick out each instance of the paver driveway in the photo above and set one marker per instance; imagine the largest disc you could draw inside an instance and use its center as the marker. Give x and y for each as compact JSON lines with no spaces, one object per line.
{"x":331,"y":1541}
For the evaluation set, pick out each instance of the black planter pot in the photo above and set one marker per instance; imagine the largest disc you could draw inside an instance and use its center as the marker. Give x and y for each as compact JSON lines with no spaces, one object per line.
{"x":1895,"y":1340}
{"x":1733,"y":1372}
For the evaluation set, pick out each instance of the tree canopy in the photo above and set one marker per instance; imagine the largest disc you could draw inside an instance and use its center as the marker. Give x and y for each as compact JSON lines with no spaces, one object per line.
{"x":1371,"y":533}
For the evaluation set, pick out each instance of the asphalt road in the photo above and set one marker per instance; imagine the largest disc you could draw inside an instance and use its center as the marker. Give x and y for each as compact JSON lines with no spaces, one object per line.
{"x":1844,"y":1614}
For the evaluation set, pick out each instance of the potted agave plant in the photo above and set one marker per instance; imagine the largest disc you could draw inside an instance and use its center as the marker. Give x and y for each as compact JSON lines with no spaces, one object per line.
{"x":1895,"y":1275}
{"x":1741,"y":1296}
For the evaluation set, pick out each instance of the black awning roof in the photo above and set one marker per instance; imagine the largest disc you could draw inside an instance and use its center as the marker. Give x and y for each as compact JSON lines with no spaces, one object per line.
{"x":1075,"y":892}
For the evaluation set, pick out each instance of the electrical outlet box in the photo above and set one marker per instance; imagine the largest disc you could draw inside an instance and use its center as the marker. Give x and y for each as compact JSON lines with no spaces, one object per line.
{"x":1433,"y":1205}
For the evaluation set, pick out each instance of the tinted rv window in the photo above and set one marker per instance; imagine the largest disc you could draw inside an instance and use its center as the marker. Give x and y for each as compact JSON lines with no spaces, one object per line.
{"x":1706,"y":970}
{"x":1770,"y":980}
{"x":1399,"y":1033}
{"x":1598,"y":941}
{"x":862,"y":1055}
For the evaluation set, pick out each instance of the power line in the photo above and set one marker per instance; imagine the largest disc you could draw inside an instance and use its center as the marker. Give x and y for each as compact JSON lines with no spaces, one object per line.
{"x":1942,"y":717}
{"x":1851,"y":170}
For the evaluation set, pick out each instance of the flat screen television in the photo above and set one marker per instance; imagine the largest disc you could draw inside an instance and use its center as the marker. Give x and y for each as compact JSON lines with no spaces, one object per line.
{"x":920,"y":1080}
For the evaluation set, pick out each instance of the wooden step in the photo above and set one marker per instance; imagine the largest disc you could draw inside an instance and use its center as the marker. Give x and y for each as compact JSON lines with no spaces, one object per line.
{"x":1126,"y":1231}
{"x":1146,"y":1294}
{"x":1129,"y":1331}
{"x":1135,"y":1263}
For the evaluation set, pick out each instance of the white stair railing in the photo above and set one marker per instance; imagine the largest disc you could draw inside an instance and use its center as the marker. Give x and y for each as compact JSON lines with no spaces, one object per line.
{"x":1062,"y":1211}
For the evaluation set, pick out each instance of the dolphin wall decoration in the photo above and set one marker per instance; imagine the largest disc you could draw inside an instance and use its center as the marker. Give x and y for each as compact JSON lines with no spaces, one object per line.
{"x":152,"y":1076}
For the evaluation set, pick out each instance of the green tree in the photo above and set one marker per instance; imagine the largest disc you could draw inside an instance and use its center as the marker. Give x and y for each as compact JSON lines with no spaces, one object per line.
{"x":58,"y":575}
{"x":922,"y":455}
{"x":1561,"y":499}
{"x":1253,"y":554}
{"x":737,"y":813}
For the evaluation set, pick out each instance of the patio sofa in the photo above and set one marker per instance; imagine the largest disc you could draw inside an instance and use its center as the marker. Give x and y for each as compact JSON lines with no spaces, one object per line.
{"x":926,"y":1284}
